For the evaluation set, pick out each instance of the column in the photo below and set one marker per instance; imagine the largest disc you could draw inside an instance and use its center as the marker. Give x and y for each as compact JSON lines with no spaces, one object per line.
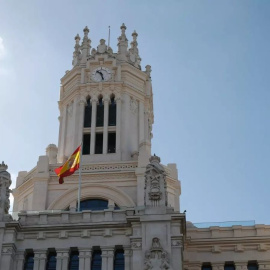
{"x":105,"y":127}
{"x":40,"y":259}
{"x":107,"y":254}
{"x":93,"y":125}
{"x":85,"y":258}
{"x":241,"y":265}
{"x":218,"y":265}
{"x":141,"y":122}
{"x":80,"y":118}
{"x":264,"y":265}
{"x":118,"y":124}
{"x":62,"y":259}
{"x":8,"y":256}
{"x":20,"y":260}
{"x":62,"y":134}
{"x":127,"y":255}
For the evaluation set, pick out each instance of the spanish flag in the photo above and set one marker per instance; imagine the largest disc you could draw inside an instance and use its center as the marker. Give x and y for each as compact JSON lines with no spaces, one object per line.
{"x":71,"y":165}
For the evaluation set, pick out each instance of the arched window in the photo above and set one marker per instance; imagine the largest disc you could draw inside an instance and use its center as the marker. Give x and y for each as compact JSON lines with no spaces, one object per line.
{"x":96,"y":260}
{"x":119,"y":260}
{"x":100,"y":113}
{"x":229,"y":266}
{"x":206,"y":266}
{"x":29,"y":262}
{"x":87,"y":114}
{"x":94,"y":204}
{"x":252,"y":266}
{"x":74,"y":260}
{"x":51,"y":261}
{"x":112,"y":112}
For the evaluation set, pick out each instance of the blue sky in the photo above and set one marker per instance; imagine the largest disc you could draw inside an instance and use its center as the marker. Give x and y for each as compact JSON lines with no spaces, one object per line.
{"x":210,"y":62}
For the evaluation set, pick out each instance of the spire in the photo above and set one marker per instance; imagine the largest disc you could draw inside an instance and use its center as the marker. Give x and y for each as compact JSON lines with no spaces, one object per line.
{"x":134,"y":57}
{"x":86,"y":45}
{"x":77,"y":51}
{"x":122,"y":43}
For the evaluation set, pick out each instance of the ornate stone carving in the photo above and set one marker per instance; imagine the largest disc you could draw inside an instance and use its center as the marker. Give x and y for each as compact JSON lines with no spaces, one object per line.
{"x":5,"y":183}
{"x":133,"y":105}
{"x":156,"y":257}
{"x":102,"y":47}
{"x":70,"y":109}
{"x":176,"y":243}
{"x":136,"y":245}
{"x":155,"y":183}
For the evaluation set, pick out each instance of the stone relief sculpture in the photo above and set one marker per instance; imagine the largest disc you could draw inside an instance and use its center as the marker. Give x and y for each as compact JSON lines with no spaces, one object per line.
{"x":156,"y":258}
{"x":155,"y":183}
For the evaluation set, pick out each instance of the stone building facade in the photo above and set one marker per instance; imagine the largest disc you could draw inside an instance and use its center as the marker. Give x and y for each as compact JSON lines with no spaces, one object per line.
{"x":130,"y":211}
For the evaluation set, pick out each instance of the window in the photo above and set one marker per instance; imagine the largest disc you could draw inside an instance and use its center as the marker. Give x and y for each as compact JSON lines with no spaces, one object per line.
{"x":86,"y":144}
{"x":100,"y":113}
{"x":29,"y":262}
{"x":252,"y":266}
{"x":119,"y":261}
{"x":206,"y":266}
{"x":229,"y":266}
{"x":99,"y":143}
{"x":96,"y":260}
{"x":51,"y":261}
{"x":112,"y":112}
{"x":111,"y":142}
{"x":94,"y":204}
{"x":87,"y":114}
{"x":74,"y":260}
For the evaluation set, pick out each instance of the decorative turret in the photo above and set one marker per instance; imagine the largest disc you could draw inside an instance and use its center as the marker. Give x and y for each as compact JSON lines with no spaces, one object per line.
{"x":5,"y":183}
{"x":122,"y":44}
{"x":77,"y":51}
{"x":134,"y":57}
{"x":86,"y":45}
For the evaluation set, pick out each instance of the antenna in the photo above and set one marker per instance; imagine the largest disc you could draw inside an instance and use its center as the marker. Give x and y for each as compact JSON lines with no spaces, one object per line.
{"x":109,"y":36}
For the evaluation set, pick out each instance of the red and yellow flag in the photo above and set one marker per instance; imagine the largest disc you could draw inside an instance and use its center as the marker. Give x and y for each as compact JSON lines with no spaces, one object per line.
{"x":71,"y":165}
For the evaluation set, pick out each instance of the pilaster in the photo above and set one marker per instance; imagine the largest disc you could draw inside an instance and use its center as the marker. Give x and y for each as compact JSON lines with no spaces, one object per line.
{"x":93,"y":126}
{"x":62,"y":259}
{"x":105,"y":126}
{"x":40,"y":259}
{"x":7,"y":256}
{"x":118,"y":124}
{"x":85,"y":255}
{"x":19,"y":263}
{"x":62,"y":134}
{"x":107,"y":258}
{"x":127,"y":255}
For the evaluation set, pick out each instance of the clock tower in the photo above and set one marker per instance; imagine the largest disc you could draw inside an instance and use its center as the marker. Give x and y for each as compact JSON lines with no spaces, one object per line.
{"x":129,"y":203}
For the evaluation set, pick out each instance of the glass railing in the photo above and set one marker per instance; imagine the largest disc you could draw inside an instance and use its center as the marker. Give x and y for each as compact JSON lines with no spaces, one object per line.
{"x":224,"y":224}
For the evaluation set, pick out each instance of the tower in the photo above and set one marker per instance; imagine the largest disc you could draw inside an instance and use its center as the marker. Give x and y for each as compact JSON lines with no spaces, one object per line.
{"x":129,"y":200}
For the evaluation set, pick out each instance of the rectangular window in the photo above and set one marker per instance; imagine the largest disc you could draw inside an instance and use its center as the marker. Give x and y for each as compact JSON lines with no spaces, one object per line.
{"x":74,"y":260}
{"x":99,"y":143}
{"x":96,"y":260}
{"x":86,"y":144}
{"x":29,"y":262}
{"x":111,"y":142}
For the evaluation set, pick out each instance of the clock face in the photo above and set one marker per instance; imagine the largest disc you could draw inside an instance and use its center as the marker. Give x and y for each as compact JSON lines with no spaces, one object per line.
{"x":101,"y":74}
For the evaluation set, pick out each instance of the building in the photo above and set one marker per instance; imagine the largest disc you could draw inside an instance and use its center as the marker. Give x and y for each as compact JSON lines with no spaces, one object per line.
{"x":129,"y":216}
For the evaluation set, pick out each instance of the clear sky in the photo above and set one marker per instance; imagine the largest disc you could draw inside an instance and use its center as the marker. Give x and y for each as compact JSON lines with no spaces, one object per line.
{"x":211,"y":77}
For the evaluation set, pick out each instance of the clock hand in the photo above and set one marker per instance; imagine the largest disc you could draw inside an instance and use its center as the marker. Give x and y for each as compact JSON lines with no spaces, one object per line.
{"x":100,"y":73}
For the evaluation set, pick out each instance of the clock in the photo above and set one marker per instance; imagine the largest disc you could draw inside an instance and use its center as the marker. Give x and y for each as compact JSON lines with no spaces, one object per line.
{"x":101,"y":74}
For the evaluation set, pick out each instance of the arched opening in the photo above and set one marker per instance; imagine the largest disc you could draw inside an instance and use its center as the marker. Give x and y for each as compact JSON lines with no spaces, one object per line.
{"x":112,"y":111}
{"x":100,"y":113}
{"x":95,"y":205}
{"x":87,"y":113}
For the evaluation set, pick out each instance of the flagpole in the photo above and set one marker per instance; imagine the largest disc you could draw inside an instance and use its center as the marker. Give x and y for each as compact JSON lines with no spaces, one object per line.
{"x":80,"y":181}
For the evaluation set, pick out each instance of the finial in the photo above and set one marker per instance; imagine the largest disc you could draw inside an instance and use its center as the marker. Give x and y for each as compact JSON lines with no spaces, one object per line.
{"x":123,"y":26}
{"x":77,"y":37}
{"x":154,"y":158}
{"x":3,"y":167}
{"x":86,"y":30}
{"x":134,"y":35}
